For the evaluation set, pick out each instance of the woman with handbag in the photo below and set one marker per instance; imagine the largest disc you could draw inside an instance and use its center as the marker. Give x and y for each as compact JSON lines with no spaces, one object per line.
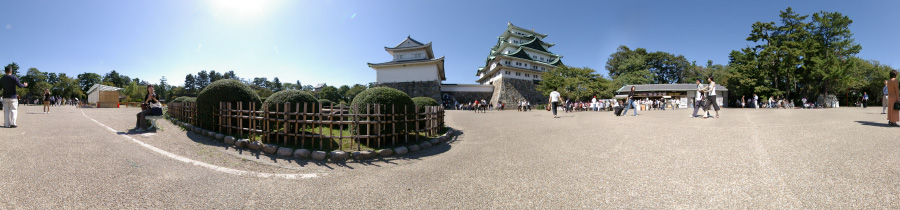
{"x":893,"y":114}
{"x":154,"y":109}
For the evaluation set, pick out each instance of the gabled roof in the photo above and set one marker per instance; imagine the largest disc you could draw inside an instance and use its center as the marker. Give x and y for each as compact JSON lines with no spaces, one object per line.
{"x":99,"y":87}
{"x":556,"y":62}
{"x":536,"y":45}
{"x":408,"y":42}
{"x":519,"y":53}
{"x":666,"y":87}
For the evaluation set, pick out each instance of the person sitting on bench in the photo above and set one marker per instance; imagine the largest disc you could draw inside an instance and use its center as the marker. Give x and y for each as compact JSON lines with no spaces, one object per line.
{"x":154,"y":109}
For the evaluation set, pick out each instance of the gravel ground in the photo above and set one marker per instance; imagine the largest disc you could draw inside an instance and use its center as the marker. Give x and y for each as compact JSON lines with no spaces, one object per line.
{"x":837,"y":158}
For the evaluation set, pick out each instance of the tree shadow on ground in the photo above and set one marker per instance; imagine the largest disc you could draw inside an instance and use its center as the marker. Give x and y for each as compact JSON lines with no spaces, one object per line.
{"x":869,"y":123}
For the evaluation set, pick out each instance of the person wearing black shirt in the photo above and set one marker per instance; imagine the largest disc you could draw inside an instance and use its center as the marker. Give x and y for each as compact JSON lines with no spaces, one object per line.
{"x":630,"y":103}
{"x":46,"y":101}
{"x":150,"y":98}
{"x":9,"y":83}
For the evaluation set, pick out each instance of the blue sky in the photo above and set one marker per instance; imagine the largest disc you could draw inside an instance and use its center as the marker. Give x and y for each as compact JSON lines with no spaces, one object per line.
{"x":331,"y":41}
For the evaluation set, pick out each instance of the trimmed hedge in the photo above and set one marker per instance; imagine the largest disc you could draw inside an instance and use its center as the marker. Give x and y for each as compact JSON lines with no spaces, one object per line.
{"x":382,"y":96}
{"x":225,"y":90}
{"x":325,"y":102}
{"x":184,"y":99}
{"x":294,"y":97}
{"x":422,"y":102}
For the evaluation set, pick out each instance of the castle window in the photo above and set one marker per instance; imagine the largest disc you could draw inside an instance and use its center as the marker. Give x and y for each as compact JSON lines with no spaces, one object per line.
{"x":507,"y":72}
{"x":535,"y":76}
{"x":518,"y":74}
{"x":526,"y":65}
{"x":507,"y":62}
{"x":399,"y":56}
{"x":527,"y":75}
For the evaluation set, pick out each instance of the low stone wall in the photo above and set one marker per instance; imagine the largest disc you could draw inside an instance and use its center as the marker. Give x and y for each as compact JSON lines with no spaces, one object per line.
{"x":510,"y":90}
{"x":431,"y":89}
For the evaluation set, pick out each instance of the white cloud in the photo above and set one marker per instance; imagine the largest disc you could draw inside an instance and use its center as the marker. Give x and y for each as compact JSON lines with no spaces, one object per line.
{"x":8,"y":26}
{"x":200,"y":46}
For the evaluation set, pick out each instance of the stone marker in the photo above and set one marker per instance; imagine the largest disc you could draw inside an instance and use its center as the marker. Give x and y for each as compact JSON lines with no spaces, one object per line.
{"x":270,"y":149}
{"x":243,"y":143}
{"x":339,"y":156}
{"x":318,"y":155}
{"x":230,"y":140}
{"x":401,"y":150}
{"x":256,"y":145}
{"x":301,"y":153}
{"x":285,"y":152}
{"x":385,"y":152}
{"x":414,"y":148}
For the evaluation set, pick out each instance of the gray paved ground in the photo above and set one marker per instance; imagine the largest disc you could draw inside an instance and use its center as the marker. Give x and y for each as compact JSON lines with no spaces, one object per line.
{"x":773,"y":159}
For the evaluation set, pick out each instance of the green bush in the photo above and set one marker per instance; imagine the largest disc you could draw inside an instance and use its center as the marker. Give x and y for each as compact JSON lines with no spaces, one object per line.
{"x":184,"y":99}
{"x":294,"y":97}
{"x":382,"y":96}
{"x":225,"y":90}
{"x":325,"y":102}
{"x":422,"y":102}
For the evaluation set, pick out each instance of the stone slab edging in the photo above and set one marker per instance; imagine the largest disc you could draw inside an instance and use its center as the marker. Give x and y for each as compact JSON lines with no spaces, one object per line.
{"x":332,"y":156}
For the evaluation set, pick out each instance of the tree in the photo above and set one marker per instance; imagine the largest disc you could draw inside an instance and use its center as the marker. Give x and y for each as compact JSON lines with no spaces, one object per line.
{"x":342,"y":91}
{"x":229,"y":75}
{"x":214,"y":76}
{"x":353,"y":91}
{"x":260,"y":82}
{"x":114,"y":79}
{"x":87,"y":80}
{"x":276,"y":85}
{"x":14,"y":67}
{"x":68,"y":87}
{"x":202,"y":80}
{"x":163,"y":88}
{"x":575,"y":83}
{"x":330,"y":93}
{"x":190,"y":85}
{"x":832,"y":48}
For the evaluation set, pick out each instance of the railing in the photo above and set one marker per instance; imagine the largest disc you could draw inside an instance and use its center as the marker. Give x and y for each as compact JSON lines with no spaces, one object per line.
{"x":372,"y":126}
{"x":183,"y":111}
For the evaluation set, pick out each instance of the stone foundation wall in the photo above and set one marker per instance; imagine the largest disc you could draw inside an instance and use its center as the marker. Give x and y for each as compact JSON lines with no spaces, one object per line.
{"x":466,"y":97}
{"x":509,"y":90}
{"x":431,"y":89}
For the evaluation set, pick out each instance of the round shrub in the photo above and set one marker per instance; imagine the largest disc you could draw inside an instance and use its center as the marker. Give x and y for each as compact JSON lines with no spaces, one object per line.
{"x":225,"y":90}
{"x":382,"y":96}
{"x":422,"y":102}
{"x":294,"y":97}
{"x":325,"y":102}
{"x":184,"y":99}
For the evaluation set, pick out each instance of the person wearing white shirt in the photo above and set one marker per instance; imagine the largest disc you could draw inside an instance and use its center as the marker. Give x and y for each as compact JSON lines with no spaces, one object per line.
{"x":698,"y":98}
{"x":554,"y":101}
{"x":711,"y":98}
{"x":755,"y":101}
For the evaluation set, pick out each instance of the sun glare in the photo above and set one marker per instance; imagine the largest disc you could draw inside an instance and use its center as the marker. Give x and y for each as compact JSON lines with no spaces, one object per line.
{"x":241,"y":8}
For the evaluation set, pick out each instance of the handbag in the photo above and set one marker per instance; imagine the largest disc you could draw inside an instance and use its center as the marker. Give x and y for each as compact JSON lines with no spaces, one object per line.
{"x":897,"y":105}
{"x":548,"y":107}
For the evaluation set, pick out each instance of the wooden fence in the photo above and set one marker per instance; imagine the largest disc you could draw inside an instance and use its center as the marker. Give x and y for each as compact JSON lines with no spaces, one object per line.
{"x":373,"y":125}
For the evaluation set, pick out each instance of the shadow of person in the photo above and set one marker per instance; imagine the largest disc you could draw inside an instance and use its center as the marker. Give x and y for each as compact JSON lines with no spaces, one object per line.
{"x":869,"y":123}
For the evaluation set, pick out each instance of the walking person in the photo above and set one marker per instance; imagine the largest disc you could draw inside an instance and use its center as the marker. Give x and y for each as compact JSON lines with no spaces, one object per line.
{"x":9,"y":83}
{"x":755,"y":101}
{"x":711,"y":96}
{"x":698,"y":98}
{"x":554,"y":102}
{"x":150,"y":100}
{"x":47,"y":101}
{"x":893,"y":114}
{"x":630,"y":103}
{"x":865,"y":101}
{"x":884,"y":98}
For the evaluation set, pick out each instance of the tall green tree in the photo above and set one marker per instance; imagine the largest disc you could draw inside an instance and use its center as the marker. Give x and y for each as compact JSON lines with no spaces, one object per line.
{"x":190,"y":84}
{"x":575,"y":83}
{"x":202,"y":79}
{"x":831,"y":50}
{"x":276,"y":85}
{"x":87,"y":80}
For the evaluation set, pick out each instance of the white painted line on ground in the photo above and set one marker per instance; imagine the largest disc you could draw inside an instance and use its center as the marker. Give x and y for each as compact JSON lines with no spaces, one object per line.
{"x":202,"y":164}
